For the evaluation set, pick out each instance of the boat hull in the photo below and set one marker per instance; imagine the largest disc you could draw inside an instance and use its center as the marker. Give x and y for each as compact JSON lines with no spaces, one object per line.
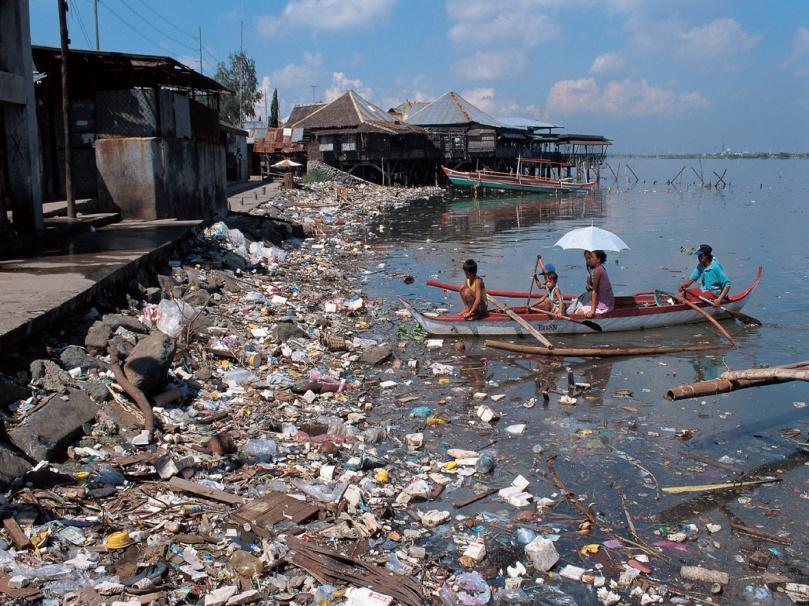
{"x":496,"y":324}
{"x":513,"y":183}
{"x":634,"y":312}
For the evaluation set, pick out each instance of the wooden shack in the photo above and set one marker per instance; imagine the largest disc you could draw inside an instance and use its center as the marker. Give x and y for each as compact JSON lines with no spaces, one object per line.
{"x":354,"y":135}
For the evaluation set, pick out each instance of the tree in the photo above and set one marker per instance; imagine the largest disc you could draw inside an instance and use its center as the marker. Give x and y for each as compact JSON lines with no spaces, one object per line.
{"x":239,"y":75}
{"x":274,"y":110}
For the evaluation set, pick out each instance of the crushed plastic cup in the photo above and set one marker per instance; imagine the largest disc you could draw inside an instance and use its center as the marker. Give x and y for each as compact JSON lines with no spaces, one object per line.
{"x":468,"y":589}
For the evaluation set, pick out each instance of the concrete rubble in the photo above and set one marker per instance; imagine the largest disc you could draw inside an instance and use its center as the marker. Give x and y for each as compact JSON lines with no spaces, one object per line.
{"x":281,"y":469}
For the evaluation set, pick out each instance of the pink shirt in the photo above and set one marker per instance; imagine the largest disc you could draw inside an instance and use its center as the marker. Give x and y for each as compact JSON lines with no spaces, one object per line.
{"x":604,"y":291}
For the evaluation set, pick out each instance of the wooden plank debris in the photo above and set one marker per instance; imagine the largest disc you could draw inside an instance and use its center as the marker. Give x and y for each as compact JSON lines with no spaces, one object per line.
{"x":272,"y":509}
{"x":335,"y":568}
{"x":25,"y":593}
{"x":16,"y":533}
{"x":205,"y":492}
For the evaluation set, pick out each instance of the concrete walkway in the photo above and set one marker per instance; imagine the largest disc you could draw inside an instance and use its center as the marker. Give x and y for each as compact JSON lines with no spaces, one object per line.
{"x":38,"y":290}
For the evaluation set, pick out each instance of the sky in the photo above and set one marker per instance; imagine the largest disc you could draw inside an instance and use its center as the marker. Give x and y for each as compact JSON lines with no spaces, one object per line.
{"x":655,"y":76}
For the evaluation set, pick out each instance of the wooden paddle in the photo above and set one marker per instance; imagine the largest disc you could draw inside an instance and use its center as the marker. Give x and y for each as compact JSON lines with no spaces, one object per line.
{"x":702,"y":312}
{"x":533,"y":276}
{"x":735,"y":314}
{"x":521,"y":321}
{"x":588,"y":323}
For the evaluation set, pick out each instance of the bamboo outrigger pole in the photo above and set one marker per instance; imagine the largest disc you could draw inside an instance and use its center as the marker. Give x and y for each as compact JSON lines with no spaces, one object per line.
{"x":596,"y":352}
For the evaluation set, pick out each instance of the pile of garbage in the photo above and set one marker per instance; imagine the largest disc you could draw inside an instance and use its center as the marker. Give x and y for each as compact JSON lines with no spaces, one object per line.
{"x":249,"y":430}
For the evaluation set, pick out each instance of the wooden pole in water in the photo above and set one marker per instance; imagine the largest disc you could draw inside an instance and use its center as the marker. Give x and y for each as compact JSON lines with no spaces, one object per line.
{"x":596,"y":352}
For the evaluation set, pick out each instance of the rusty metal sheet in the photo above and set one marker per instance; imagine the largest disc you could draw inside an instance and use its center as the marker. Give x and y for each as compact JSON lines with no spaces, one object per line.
{"x":329,"y":566}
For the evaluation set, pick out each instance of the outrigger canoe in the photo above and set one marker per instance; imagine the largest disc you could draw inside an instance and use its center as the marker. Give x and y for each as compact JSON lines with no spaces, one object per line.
{"x":516,"y":182}
{"x":640,"y":311}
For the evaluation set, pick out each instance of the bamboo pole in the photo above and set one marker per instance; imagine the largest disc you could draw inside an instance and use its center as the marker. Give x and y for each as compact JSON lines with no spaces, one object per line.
{"x":522,"y":322}
{"x":724,"y":385}
{"x":704,"y":313}
{"x":596,"y":352}
{"x":798,"y":374}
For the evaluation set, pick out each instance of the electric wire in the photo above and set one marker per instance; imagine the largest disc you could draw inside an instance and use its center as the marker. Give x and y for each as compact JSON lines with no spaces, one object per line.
{"x":136,"y":30}
{"x":157,"y":29}
{"x":153,"y":11}
{"x":77,"y":17}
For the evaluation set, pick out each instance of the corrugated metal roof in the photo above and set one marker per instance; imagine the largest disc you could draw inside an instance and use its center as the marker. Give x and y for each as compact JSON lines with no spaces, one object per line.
{"x":520,"y":122}
{"x":451,"y":108}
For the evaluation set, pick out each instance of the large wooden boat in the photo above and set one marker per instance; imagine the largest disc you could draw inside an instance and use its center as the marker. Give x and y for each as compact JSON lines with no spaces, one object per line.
{"x":640,"y":311}
{"x":517,"y":181}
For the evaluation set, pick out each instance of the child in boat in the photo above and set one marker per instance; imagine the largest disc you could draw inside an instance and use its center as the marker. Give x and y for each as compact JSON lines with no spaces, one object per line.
{"x":551,"y":299}
{"x":473,"y":292}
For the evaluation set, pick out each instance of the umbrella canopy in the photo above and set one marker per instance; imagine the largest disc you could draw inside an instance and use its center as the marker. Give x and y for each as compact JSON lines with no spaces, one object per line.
{"x":286,"y":163}
{"x":591,"y":238}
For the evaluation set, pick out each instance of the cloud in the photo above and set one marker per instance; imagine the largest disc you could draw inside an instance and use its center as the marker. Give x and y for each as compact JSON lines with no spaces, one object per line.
{"x":619,"y":97}
{"x":342,"y":83}
{"x":480,"y":97}
{"x":500,"y":37}
{"x":486,"y":99}
{"x":718,"y":41}
{"x":799,"y":55}
{"x":488,"y":24}
{"x":491,"y":65}
{"x":329,"y":15}
{"x":608,"y":63}
{"x":296,"y":76}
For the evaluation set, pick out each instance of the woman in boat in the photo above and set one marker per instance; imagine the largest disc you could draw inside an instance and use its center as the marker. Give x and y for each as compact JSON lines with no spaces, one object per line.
{"x":601,"y":296}
{"x":473,"y":293}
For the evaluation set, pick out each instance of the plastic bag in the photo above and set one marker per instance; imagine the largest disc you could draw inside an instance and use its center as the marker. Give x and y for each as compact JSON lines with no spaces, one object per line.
{"x":239,"y":376}
{"x":172,"y":315}
{"x":321,"y":492}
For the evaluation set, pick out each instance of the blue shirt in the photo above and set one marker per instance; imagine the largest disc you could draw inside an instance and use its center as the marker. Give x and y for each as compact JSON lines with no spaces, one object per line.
{"x":713,"y":277}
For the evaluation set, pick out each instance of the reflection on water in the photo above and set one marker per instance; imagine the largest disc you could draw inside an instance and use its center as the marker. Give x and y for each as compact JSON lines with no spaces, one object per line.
{"x":759,"y":220}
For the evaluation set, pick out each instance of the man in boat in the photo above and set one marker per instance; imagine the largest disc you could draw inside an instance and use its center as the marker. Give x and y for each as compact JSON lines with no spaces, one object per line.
{"x":715,"y":282}
{"x":473,"y":292}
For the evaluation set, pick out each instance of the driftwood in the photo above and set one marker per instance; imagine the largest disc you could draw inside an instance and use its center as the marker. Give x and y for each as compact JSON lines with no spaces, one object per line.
{"x":596,"y":352}
{"x":720,"y":486}
{"x":726,"y":385}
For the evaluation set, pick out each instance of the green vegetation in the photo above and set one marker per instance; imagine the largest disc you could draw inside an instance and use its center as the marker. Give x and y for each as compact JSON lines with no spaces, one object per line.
{"x":728,"y":155}
{"x":274,"y":110}
{"x":239,"y":75}
{"x":315,"y":175}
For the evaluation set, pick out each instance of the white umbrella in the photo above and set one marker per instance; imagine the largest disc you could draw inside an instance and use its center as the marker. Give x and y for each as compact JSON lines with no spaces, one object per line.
{"x":286,"y":163}
{"x":591,"y":238}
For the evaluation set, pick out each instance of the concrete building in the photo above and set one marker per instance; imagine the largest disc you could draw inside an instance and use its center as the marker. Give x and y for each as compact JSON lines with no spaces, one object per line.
{"x":20,"y":170}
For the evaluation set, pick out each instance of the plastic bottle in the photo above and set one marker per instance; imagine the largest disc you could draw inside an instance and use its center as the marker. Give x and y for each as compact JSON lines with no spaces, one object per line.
{"x":485,"y":463}
{"x":525,"y":535}
{"x":260,"y":450}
